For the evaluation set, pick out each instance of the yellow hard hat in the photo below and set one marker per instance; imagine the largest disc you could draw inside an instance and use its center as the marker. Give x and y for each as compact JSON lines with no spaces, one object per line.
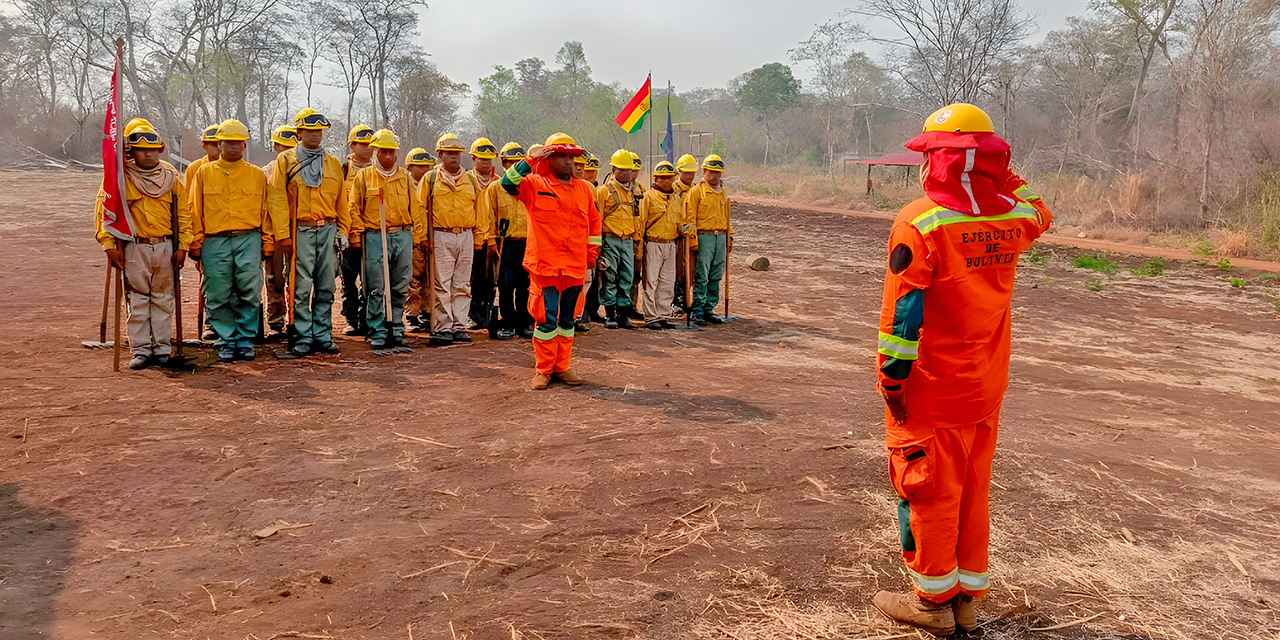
{"x":664,"y":168}
{"x":210,"y":134}
{"x":232,"y":130}
{"x":385,"y":139}
{"x":713,"y":163}
{"x":960,"y":117}
{"x":140,"y":134}
{"x":360,"y":133}
{"x":622,"y":159}
{"x":310,"y":119}
{"x":585,"y":158}
{"x":635,"y":160}
{"x":135,"y":123}
{"x":512,"y":151}
{"x":449,"y":142}
{"x":285,"y":135}
{"x":420,"y":156}
{"x":558,"y":138}
{"x":482,"y":148}
{"x":687,"y":163}
{"x":593,"y":162}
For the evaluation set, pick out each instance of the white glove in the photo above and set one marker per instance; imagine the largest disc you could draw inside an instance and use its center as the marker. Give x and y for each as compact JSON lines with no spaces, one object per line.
{"x":340,"y":241}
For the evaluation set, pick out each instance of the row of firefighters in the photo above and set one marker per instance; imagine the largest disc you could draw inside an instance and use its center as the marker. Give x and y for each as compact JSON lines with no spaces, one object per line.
{"x":452,"y":237}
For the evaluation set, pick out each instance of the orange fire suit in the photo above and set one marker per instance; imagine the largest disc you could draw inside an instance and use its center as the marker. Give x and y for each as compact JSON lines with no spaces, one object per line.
{"x":564,"y":239}
{"x":944,"y":354}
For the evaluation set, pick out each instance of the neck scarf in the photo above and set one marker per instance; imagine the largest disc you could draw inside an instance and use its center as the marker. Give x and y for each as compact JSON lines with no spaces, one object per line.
{"x":311,"y":163}
{"x":153,"y":182}
{"x":354,"y":165}
{"x":450,"y":179}
{"x":716,"y":189}
{"x":386,"y":173}
{"x":486,"y":179}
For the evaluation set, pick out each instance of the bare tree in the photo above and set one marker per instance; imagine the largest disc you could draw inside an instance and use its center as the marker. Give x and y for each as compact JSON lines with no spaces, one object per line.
{"x":1148,"y":21}
{"x":827,"y":51}
{"x":946,"y":50}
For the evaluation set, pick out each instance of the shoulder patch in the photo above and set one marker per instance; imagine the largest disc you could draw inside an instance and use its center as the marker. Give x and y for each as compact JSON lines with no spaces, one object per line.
{"x":900,"y":258}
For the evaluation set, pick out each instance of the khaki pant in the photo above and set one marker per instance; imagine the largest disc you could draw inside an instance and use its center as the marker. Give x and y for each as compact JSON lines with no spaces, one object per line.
{"x":454,"y":253}
{"x":148,"y":269}
{"x":659,"y":280}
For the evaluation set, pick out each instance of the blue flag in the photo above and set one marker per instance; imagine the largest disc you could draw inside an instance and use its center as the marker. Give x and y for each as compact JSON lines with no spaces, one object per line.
{"x":668,"y":143}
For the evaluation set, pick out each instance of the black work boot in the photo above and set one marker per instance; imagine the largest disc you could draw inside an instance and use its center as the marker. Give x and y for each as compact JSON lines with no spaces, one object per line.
{"x":622,"y":315}
{"x":611,"y":317}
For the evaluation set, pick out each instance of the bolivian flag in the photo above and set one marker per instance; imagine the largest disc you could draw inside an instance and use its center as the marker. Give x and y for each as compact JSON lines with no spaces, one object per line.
{"x":632,"y":116}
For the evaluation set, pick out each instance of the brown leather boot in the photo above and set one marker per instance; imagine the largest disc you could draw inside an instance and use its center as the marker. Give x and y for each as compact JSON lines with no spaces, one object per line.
{"x":965,"y":613}
{"x":540,"y":381}
{"x":909,"y":609}
{"x":569,"y":378}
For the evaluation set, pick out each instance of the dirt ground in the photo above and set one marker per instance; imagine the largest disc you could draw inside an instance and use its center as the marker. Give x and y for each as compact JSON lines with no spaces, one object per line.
{"x":727,"y":483}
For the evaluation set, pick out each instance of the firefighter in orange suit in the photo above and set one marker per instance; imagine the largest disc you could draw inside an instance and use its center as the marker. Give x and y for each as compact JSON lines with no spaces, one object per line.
{"x":564,"y":240}
{"x":944,"y":358}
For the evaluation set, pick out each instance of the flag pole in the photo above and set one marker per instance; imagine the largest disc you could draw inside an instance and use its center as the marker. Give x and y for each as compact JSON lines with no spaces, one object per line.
{"x":649,"y":182}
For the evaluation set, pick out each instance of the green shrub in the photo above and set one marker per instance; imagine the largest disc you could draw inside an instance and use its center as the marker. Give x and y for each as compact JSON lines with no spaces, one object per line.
{"x":1236,"y":282}
{"x":1093,"y":285}
{"x":1036,"y":256}
{"x":1154,"y":267}
{"x":1268,"y":277}
{"x":1202,"y":248}
{"x":1100,"y":263}
{"x":1224,"y":264}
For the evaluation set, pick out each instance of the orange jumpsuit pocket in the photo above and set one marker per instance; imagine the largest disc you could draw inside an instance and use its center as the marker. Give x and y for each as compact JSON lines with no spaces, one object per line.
{"x":911,"y":468}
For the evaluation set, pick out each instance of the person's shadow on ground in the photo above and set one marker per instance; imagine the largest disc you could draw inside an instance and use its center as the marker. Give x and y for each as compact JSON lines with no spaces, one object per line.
{"x":36,"y":548}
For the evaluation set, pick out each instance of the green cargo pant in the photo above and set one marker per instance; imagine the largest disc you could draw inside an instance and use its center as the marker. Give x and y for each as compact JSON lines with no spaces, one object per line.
{"x":317,"y":263}
{"x":400,"y":261}
{"x":618,"y":272}
{"x":712,"y":248}
{"x":232,"y":268}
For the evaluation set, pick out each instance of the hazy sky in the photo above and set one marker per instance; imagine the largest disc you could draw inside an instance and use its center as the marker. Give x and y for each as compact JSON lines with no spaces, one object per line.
{"x":697,"y":43}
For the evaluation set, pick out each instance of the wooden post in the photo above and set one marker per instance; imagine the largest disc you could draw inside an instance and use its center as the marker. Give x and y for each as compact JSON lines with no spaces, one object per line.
{"x":868,"y":179}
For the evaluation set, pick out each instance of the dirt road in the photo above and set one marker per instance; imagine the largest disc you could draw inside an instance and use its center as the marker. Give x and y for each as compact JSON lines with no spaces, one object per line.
{"x":727,"y":483}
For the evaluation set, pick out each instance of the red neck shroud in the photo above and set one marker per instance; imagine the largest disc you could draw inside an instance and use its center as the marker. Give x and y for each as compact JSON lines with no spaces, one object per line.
{"x":964,"y":171}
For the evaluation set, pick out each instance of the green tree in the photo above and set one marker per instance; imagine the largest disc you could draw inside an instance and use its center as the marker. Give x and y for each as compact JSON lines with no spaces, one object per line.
{"x":767,"y":91}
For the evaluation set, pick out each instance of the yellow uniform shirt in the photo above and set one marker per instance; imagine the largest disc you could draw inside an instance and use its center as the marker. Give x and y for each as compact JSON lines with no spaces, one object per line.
{"x":497,"y":205}
{"x":662,"y":214}
{"x":679,"y":188}
{"x":191,"y":173}
{"x":370,"y":189}
{"x":152,"y":217}
{"x":708,"y":210}
{"x":232,"y":196}
{"x":288,"y":193}
{"x":619,"y":209}
{"x":453,"y":207}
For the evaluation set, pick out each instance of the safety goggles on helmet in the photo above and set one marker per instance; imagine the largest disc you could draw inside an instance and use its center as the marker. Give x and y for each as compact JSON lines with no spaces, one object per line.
{"x":143,"y":137}
{"x":314,"y":120}
{"x":422,"y":157}
{"x":286,"y":134}
{"x":484,"y":149}
{"x":363,"y":135}
{"x":714,"y":165}
{"x":514,"y":153}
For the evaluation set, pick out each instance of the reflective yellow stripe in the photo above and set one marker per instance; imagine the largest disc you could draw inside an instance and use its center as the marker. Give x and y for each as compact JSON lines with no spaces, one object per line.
{"x":1026,"y":193}
{"x":939,"y":216}
{"x":539,"y":334}
{"x":934,"y":585}
{"x":974,"y":581}
{"x":595,"y":240}
{"x":895,"y":347}
{"x":566,"y":332}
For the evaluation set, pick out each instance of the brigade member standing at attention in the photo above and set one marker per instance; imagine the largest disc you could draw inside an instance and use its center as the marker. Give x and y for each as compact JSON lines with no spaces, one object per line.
{"x":564,"y":239}
{"x":620,"y":213}
{"x":232,"y":231}
{"x":383,"y":207}
{"x":450,"y":197}
{"x":274,"y":268}
{"x":307,"y":185}
{"x":157,"y":202}
{"x":943,"y":387}
{"x":208,"y":142}
{"x":687,"y":243}
{"x":506,"y":215}
{"x":662,"y":214}
{"x":352,"y":258}
{"x":418,"y":163}
{"x":484,"y":262}
{"x":708,"y":207}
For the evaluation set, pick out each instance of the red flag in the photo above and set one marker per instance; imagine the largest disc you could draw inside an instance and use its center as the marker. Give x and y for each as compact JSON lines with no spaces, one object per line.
{"x":116,"y":219}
